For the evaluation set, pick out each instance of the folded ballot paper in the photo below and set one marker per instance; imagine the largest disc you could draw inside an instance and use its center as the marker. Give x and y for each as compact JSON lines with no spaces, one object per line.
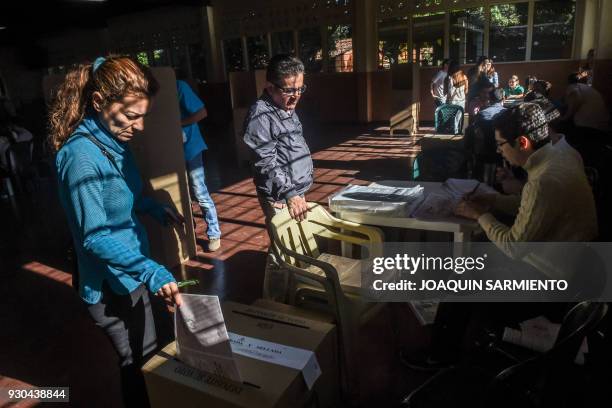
{"x":379,"y":200}
{"x":202,"y":340}
{"x":441,"y":203}
{"x":539,"y":334}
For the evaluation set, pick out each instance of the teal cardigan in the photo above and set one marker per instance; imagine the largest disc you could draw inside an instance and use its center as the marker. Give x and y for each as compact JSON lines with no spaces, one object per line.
{"x":101,"y":202}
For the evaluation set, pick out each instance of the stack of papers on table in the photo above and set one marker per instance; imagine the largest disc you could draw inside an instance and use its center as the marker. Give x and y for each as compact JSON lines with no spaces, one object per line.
{"x":379,"y":200}
{"x":441,"y":203}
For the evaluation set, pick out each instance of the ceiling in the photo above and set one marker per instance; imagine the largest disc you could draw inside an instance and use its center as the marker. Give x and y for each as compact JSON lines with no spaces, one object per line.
{"x":22,"y":23}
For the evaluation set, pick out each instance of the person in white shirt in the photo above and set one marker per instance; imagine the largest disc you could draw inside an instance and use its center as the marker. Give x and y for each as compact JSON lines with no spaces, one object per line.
{"x":585,"y":106}
{"x":437,"y":84}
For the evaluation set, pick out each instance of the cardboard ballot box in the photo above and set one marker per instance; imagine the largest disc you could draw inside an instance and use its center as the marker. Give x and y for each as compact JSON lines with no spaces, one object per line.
{"x":264,"y":384}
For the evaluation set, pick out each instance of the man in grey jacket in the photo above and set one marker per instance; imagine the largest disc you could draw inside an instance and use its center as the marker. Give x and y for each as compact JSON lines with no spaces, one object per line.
{"x":282,"y":165}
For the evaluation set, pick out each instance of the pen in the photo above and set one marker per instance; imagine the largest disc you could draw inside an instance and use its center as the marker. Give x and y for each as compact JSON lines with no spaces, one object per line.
{"x":468,"y":195}
{"x":191,"y":282}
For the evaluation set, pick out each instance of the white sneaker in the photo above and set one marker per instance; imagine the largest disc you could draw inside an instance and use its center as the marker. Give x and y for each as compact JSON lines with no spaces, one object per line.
{"x":214,"y":244}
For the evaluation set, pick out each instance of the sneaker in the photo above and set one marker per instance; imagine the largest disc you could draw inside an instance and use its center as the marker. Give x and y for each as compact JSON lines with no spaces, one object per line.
{"x":214,"y":244}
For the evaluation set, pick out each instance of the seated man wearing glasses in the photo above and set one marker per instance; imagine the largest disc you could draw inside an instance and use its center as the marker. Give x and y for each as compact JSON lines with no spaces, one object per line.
{"x":556,"y":203}
{"x":282,"y":165}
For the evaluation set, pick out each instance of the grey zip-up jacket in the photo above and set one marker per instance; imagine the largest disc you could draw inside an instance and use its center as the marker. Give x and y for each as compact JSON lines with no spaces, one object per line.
{"x":282,"y":164}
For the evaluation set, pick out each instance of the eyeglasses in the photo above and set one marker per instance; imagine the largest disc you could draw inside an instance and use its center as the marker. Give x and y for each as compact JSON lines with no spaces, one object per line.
{"x":499,"y":145}
{"x":291,"y":91}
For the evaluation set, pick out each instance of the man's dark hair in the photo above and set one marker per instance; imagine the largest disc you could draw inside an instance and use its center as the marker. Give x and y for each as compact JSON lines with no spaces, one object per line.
{"x":283,"y":66}
{"x":496,"y":95}
{"x":573,"y":78}
{"x":511,"y":126}
{"x":445,"y":61}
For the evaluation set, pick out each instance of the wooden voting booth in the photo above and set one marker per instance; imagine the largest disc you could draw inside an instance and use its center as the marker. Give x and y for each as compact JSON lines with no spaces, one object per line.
{"x":404,"y":98}
{"x":245,"y":88}
{"x":159,"y":155}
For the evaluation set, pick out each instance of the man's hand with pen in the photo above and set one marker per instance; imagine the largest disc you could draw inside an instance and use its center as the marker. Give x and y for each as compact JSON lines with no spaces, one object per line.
{"x":474,"y":205}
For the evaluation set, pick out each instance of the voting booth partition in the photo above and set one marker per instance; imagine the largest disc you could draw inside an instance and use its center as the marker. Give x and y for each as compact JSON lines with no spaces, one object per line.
{"x":245,"y":88}
{"x":159,"y":154}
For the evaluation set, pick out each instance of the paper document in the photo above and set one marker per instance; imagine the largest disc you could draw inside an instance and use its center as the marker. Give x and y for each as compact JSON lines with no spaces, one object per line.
{"x":201,"y":336}
{"x":286,"y":356}
{"x":442,"y":203}
{"x":540,"y":334}
{"x":377,"y":199}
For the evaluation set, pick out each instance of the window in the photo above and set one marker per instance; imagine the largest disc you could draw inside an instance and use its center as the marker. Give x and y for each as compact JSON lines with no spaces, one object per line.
{"x":143,"y":58}
{"x":160,"y":58}
{"x":232,"y":50}
{"x":428,"y":39}
{"x":340,"y":48}
{"x":197,"y":56}
{"x":392,"y":42}
{"x":553,"y":29}
{"x":282,"y":43}
{"x":508,"y":32}
{"x":258,"y":52}
{"x":467,"y":35}
{"x":310,"y":49}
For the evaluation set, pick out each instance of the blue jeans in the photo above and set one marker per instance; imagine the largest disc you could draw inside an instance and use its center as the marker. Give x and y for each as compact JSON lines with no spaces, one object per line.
{"x":197,"y":183}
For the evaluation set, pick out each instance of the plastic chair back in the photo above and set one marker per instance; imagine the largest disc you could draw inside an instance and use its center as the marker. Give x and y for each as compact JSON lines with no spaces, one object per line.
{"x":448,"y":119}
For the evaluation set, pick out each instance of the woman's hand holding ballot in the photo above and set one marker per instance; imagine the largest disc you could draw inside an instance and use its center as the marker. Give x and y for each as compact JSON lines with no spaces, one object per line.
{"x":170,"y":293}
{"x":473,"y":206}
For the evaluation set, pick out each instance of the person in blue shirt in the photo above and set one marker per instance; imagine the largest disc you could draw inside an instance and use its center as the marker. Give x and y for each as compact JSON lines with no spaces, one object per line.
{"x":98,"y":109}
{"x":192,"y":111}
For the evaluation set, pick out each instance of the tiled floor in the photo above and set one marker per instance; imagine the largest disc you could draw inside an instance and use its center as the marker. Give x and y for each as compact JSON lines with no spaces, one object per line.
{"x":46,"y":337}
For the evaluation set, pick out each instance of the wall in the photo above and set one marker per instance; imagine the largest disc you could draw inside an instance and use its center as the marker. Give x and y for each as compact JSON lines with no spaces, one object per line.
{"x":381,"y":96}
{"x":331,"y":97}
{"x":602,"y":79}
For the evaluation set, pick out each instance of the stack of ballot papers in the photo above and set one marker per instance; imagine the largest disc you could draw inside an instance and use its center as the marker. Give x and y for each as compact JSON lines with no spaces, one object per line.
{"x":441,"y":203}
{"x":377,"y":199}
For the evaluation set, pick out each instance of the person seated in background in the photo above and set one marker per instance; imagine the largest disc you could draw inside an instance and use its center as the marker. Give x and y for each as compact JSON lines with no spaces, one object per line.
{"x":539,"y":89}
{"x":479,"y":136}
{"x":529,"y":83}
{"x":437,"y":84}
{"x":585,"y":108}
{"x":514,"y":90}
{"x":495,"y":106}
{"x":481,"y":100}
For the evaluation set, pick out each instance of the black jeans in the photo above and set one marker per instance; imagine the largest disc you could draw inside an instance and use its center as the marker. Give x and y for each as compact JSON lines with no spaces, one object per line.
{"x":138,"y":326}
